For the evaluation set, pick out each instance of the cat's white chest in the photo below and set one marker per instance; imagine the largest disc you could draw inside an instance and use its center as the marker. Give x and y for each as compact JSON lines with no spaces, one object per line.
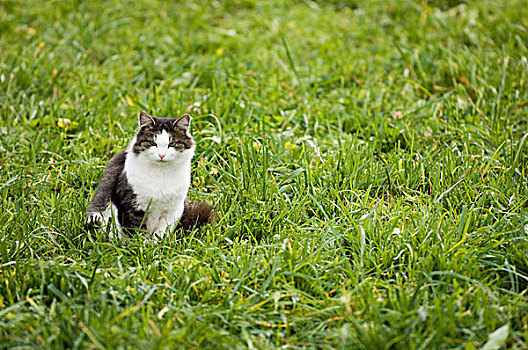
{"x":160,"y":189}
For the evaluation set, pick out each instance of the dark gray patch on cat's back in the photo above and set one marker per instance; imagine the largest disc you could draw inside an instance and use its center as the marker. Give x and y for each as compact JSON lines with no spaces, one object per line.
{"x":114,"y":188}
{"x":108,"y":182}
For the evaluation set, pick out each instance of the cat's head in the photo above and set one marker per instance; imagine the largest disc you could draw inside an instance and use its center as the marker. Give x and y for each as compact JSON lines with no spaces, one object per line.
{"x":162,"y":140}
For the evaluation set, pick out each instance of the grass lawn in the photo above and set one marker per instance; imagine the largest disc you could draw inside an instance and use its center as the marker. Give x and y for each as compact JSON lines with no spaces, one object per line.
{"x":368,"y":162}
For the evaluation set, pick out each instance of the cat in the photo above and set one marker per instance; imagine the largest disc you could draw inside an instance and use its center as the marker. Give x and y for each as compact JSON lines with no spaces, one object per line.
{"x":145,"y":186}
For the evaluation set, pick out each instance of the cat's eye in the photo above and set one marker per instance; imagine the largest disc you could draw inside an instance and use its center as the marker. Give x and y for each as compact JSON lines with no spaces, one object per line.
{"x":152,"y":143}
{"x":173,"y":144}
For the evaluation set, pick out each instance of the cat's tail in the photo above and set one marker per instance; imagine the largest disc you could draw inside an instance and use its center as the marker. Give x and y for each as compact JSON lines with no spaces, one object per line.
{"x":195,"y":215}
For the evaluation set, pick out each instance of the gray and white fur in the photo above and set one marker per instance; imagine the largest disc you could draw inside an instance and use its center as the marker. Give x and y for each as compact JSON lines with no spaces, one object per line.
{"x":145,"y":186}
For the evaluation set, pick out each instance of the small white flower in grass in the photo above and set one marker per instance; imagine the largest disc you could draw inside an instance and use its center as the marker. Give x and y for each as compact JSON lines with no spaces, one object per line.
{"x":185,"y":79}
{"x":215,"y":139}
{"x":396,"y":231}
{"x":344,"y":331}
{"x":422,"y":313}
{"x":295,"y":299}
{"x":63,"y":123}
{"x":345,"y":298}
{"x":285,"y":244}
{"x":230,"y":32}
{"x":276,"y":237}
{"x":312,"y":142}
{"x":276,"y":296}
{"x":461,"y":103}
{"x":288,"y":133}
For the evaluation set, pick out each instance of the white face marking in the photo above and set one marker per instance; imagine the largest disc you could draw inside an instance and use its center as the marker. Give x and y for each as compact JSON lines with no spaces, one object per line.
{"x":162,"y":140}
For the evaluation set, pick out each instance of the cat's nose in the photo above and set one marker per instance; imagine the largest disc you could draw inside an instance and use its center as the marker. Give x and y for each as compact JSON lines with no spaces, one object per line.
{"x":161,"y":155}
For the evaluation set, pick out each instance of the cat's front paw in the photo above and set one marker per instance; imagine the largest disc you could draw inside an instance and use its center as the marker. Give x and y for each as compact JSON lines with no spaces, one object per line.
{"x":151,"y":240}
{"x":157,"y":236}
{"x":94,"y":222}
{"x":102,"y":228}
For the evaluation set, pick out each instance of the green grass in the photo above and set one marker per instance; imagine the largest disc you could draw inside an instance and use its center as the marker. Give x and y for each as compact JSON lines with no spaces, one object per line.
{"x":368,"y":162}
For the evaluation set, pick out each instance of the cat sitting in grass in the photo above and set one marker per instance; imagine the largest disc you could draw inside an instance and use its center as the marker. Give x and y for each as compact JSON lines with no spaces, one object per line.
{"x":145,"y":186}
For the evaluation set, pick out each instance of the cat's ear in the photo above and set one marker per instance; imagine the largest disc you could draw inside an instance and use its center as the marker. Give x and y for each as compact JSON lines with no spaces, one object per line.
{"x":182,"y":122}
{"x":145,"y":119}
